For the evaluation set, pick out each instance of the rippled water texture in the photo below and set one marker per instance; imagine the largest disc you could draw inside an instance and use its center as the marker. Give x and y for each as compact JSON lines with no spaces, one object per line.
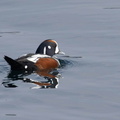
{"x":86,"y":88}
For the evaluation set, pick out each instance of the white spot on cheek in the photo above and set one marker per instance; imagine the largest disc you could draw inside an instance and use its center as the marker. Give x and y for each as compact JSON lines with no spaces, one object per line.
{"x":57,"y":49}
{"x":49,"y":47}
{"x":26,"y":66}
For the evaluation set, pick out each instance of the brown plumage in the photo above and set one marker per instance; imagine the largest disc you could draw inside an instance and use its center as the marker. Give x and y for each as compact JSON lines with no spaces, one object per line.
{"x":47,"y":63}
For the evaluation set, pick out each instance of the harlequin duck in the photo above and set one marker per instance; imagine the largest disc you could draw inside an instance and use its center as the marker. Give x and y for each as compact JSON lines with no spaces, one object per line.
{"x":42,"y":59}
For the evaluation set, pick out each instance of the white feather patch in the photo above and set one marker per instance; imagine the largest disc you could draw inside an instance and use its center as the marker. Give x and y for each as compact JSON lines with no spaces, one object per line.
{"x":44,"y":50}
{"x":56,"y":49}
{"x":26,"y":66}
{"x":49,"y":47}
{"x":35,"y":57}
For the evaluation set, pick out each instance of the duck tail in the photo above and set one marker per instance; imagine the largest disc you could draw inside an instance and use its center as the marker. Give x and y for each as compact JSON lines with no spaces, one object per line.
{"x":13,"y":63}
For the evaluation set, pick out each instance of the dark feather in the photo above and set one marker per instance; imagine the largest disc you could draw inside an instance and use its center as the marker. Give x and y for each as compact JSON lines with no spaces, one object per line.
{"x":13,"y":63}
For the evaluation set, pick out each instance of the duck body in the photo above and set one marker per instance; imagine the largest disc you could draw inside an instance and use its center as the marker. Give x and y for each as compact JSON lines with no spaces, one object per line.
{"x":41,"y":60}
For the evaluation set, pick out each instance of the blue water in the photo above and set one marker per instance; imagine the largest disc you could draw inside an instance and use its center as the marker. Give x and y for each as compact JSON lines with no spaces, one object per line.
{"x":89,"y":87}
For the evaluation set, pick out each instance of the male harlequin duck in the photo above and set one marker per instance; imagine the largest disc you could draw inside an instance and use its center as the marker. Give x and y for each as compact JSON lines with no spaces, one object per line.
{"x":41,"y":60}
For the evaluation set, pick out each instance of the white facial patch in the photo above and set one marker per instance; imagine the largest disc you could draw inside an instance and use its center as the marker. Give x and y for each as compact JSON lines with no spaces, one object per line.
{"x":49,"y":47}
{"x":44,"y":52}
{"x":56,"y":49}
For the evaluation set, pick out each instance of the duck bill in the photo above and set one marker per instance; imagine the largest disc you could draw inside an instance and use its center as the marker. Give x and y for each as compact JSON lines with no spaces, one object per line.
{"x":61,"y":53}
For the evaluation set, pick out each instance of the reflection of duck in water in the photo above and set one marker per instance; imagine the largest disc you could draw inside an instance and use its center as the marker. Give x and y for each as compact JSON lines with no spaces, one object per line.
{"x":42,"y":63}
